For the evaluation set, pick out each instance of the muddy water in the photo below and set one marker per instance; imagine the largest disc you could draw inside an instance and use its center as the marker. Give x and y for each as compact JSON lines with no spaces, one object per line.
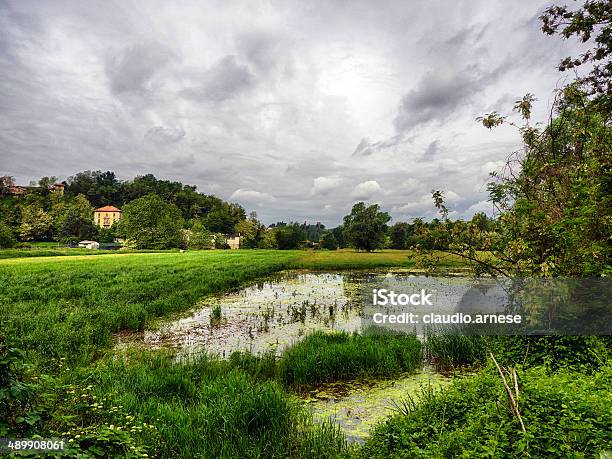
{"x":357,"y":406}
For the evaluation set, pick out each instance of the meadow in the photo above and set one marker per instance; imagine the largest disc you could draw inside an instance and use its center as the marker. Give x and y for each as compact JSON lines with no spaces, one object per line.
{"x":69,"y":381}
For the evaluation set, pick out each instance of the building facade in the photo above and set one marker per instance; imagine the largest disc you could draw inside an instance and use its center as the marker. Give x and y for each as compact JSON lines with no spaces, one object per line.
{"x":106,"y":216}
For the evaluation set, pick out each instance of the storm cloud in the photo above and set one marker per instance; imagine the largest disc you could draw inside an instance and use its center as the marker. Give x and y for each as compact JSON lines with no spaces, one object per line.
{"x":294,"y":109}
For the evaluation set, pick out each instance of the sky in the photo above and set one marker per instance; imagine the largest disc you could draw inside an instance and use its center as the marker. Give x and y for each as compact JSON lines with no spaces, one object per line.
{"x":293,"y":109}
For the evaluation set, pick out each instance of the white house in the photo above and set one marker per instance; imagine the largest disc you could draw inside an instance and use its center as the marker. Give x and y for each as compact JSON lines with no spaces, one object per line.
{"x":89,"y":245}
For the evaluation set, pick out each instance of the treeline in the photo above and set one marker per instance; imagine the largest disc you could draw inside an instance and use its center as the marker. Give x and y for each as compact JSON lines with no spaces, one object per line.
{"x":42,"y":213}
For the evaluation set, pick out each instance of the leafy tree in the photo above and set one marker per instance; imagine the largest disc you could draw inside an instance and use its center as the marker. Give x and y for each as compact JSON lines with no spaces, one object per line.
{"x":151,"y":223}
{"x":289,"y":237}
{"x":224,"y":218}
{"x":74,"y":220}
{"x":35,"y":223}
{"x":338,"y":232}
{"x":7,"y":238}
{"x":101,"y":188}
{"x":591,"y":23}
{"x":107,"y":235}
{"x":400,"y":234}
{"x":328,"y":241}
{"x":248,"y":231}
{"x":366,"y":227}
{"x":200,"y":238}
{"x":220,"y":241}
{"x":268,"y":241}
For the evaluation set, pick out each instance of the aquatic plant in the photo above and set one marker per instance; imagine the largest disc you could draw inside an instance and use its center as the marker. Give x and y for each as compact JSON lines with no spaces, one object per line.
{"x":324,"y":357}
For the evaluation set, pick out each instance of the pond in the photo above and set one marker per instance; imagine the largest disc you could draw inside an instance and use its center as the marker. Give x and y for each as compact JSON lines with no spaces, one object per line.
{"x":268,"y":316}
{"x":273,"y":314}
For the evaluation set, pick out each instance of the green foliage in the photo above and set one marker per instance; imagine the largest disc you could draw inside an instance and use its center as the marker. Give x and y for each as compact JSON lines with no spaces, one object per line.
{"x":328,"y":241}
{"x":577,"y":353}
{"x":35,"y":223}
{"x":592,"y":21}
{"x":324,"y":357}
{"x":76,"y":220}
{"x":150,"y":223}
{"x":447,"y":351}
{"x":565,"y":414}
{"x":7,"y":238}
{"x":248,"y":231}
{"x":289,"y":237}
{"x":366,"y":227}
{"x":199,"y":237}
{"x":268,"y":241}
{"x":400,"y":234}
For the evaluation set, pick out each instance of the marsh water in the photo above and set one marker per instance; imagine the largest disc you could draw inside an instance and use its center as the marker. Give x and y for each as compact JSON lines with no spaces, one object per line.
{"x":274,"y":313}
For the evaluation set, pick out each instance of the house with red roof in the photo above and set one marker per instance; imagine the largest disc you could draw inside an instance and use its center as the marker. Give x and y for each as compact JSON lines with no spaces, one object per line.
{"x":104,"y":217}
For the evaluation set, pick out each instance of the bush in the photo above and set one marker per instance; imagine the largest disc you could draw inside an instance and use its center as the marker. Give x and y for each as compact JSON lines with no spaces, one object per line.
{"x":329,"y":242}
{"x":7,"y":238}
{"x":565,"y":414}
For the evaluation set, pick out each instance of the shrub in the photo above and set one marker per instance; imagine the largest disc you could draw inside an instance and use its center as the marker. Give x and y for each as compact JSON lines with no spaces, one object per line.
{"x":7,"y":238}
{"x":565,"y":414}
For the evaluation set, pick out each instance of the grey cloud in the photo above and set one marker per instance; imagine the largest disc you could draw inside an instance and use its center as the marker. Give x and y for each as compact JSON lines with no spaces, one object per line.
{"x":266,"y":104}
{"x":440,"y":93}
{"x":132,"y":69}
{"x":432,"y":149}
{"x":222,"y":81}
{"x":165,"y":134}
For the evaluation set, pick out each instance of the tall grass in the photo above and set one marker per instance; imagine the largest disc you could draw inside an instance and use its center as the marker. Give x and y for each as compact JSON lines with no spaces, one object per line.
{"x":210,"y":408}
{"x":449,"y":350}
{"x":322,"y":357}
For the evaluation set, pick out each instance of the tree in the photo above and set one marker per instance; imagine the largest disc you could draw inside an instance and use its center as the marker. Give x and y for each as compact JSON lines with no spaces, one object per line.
{"x":224,"y":218}
{"x":328,"y":241}
{"x":338,"y":232}
{"x":200,"y":238}
{"x":289,"y":237}
{"x":268,"y":241}
{"x":400,"y":234}
{"x":74,"y":220}
{"x":151,"y":223}
{"x":247,"y":229}
{"x":590,"y":23}
{"x":7,"y":238}
{"x":366,"y":227}
{"x":35,"y":223}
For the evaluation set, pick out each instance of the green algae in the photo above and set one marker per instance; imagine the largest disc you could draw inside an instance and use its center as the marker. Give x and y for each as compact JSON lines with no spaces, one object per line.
{"x":357,"y":406}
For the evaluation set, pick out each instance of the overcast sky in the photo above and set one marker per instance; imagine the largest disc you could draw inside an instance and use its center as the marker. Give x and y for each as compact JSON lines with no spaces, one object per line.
{"x":293,"y":109}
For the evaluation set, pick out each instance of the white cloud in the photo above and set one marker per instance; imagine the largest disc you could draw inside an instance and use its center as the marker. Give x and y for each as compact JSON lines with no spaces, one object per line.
{"x":323,"y":185}
{"x":366,"y":190}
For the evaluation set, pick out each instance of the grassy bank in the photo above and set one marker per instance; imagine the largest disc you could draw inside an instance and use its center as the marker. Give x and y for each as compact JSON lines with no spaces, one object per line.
{"x":351,"y":259}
